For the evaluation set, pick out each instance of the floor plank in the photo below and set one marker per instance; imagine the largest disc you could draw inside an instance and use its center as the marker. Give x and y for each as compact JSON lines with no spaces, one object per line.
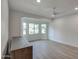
{"x":53,"y":50}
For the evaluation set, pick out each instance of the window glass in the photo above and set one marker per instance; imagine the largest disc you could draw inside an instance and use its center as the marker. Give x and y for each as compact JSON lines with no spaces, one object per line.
{"x":36,"y":28}
{"x":31,"y":28}
{"x":24,"y":32}
{"x":43,"y":28}
{"x":24,"y":25}
{"x":24,"y":28}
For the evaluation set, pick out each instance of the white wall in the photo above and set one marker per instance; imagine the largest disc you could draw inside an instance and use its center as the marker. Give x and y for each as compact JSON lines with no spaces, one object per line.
{"x":4,"y":24}
{"x":64,"y":30}
{"x":15,"y":21}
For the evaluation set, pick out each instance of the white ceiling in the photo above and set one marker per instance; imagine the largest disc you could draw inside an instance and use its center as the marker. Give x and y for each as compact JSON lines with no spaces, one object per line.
{"x":45,"y":7}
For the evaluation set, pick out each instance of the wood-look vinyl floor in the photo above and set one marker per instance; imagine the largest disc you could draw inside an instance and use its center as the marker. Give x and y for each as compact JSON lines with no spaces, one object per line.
{"x":53,"y":50}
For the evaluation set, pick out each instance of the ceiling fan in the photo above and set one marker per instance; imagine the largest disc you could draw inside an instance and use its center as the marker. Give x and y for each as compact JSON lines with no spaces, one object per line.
{"x":54,"y":14}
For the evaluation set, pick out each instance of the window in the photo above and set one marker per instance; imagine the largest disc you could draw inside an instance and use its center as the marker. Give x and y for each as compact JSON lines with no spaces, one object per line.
{"x":24,"y":28}
{"x":36,"y":28}
{"x":31,"y":28}
{"x":43,"y":28}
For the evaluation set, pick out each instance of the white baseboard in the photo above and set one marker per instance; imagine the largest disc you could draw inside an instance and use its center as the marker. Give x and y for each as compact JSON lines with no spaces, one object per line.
{"x":65,"y":43}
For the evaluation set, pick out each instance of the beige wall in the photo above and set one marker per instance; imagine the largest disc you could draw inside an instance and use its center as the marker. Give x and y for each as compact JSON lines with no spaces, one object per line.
{"x":4,"y":24}
{"x":65,"y":30}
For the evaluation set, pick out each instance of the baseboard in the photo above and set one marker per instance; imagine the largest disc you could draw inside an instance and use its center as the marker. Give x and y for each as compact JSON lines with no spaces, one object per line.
{"x":37,"y":40}
{"x":64,"y":44}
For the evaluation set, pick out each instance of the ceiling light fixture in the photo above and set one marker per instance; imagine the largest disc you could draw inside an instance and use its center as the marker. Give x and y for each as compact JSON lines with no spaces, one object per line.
{"x":76,"y":8}
{"x":38,"y":1}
